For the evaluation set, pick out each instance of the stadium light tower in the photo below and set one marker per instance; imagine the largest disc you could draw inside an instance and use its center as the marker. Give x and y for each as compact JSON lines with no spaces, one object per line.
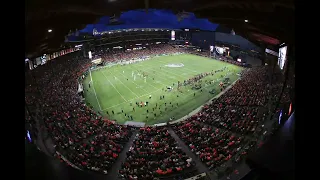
{"x":49,"y":30}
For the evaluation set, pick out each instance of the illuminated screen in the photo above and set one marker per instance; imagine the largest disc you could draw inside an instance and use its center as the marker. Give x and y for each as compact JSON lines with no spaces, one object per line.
{"x":90,"y":55}
{"x":173,"y":35}
{"x":282,"y":56}
{"x":269,"y":51}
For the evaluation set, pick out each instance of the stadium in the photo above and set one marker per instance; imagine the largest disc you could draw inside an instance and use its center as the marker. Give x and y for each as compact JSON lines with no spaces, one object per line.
{"x":154,"y":94}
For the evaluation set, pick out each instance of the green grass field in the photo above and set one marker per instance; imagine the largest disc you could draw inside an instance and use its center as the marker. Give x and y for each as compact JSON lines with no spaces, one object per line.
{"x":114,"y":88}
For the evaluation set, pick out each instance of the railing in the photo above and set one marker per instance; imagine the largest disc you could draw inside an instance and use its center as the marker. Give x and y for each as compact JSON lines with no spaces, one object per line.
{"x":67,"y":161}
{"x":199,"y":176}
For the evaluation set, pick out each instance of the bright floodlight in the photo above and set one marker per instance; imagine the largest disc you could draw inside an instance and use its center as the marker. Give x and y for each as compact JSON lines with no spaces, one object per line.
{"x":245,"y":20}
{"x":49,"y":30}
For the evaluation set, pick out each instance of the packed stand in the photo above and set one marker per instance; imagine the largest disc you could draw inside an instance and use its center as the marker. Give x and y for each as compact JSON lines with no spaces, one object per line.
{"x":52,"y":90}
{"x":277,"y":85}
{"x":213,"y":146}
{"x":154,"y":153}
{"x":243,"y":120}
{"x":65,"y":116}
{"x":102,"y":150}
{"x":68,"y":120}
{"x":116,"y":55}
{"x":250,"y":90}
{"x":242,"y":108}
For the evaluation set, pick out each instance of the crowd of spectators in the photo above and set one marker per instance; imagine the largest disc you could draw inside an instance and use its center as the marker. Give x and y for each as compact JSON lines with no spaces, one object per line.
{"x":277,"y":79}
{"x":91,"y":142}
{"x":154,"y":153}
{"x":116,"y":55}
{"x":213,"y":146}
{"x":242,"y":108}
{"x":99,"y":152}
{"x":220,"y":130}
{"x":52,"y":90}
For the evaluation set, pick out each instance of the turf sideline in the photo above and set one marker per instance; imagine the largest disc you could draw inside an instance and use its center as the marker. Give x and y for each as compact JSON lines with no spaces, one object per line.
{"x":95,"y":94}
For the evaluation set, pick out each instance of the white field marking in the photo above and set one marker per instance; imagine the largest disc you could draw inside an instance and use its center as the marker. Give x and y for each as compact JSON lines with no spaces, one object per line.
{"x":173,"y":73}
{"x":158,"y":77}
{"x":114,"y":87}
{"x":133,"y":82}
{"x":156,"y":91}
{"x":172,"y":77}
{"x":227,"y":65}
{"x":180,"y":69}
{"x":184,"y":67}
{"x":203,"y":88}
{"x":95,"y":94}
{"x":139,"y":85}
{"x":123,"y":84}
{"x":146,"y":94}
{"x":193,"y":65}
{"x":175,"y":79}
{"x":153,"y":69}
{"x":152,"y":93}
{"x":131,"y":99}
{"x":145,"y":69}
{"x":147,"y":83}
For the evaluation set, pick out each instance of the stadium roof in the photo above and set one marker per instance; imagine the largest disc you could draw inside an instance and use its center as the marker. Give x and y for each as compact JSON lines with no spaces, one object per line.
{"x":268,"y":21}
{"x":154,"y":19}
